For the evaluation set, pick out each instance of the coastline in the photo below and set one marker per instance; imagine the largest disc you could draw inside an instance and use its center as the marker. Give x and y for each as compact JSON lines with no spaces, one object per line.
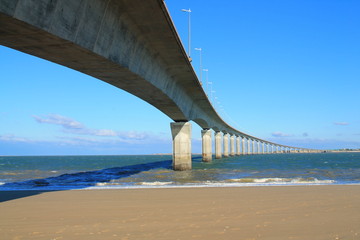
{"x":254,"y":212}
{"x":244,"y":183}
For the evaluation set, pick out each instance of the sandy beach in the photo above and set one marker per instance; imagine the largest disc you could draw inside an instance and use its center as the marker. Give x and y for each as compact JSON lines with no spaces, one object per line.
{"x":284,"y":212}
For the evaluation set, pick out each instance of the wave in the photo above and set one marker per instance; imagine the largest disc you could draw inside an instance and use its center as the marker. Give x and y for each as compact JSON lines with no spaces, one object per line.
{"x":239,"y":182}
{"x":71,"y":182}
{"x":310,"y":180}
{"x":156,"y":183}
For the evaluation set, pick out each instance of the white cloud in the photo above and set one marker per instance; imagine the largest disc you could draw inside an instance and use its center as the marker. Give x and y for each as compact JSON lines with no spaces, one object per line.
{"x":104,"y":132}
{"x":56,"y":119}
{"x":280,"y":134}
{"x":104,"y":141}
{"x":75,"y":137}
{"x":341,"y":123}
{"x":13,"y":138}
{"x":133,"y":135}
{"x":74,"y":127}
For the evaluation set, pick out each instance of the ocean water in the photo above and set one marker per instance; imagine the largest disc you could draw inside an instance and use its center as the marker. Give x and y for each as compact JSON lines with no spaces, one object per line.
{"x":149,"y":171}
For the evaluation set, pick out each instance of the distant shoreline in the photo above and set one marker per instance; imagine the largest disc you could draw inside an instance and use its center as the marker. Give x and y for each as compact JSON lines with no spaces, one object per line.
{"x":343,"y":151}
{"x":157,"y":154}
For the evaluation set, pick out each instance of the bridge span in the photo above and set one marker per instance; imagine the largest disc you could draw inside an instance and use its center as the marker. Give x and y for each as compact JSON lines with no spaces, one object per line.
{"x":117,"y":41}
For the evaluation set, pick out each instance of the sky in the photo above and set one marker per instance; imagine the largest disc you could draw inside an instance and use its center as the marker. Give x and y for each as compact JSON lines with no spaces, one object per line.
{"x":284,"y":71}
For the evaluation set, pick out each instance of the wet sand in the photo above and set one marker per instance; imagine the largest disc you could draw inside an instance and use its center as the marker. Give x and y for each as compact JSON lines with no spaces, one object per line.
{"x":276,"y":213}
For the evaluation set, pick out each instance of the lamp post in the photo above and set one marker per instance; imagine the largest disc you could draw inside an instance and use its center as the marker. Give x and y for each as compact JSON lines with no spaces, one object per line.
{"x":211,"y":91}
{"x":217,"y":103}
{"x":189,"y":32}
{"x":200,"y":50}
{"x":207,"y":79}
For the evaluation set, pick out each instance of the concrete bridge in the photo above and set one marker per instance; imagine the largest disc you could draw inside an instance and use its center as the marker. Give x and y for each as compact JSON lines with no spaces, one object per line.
{"x":118,"y":42}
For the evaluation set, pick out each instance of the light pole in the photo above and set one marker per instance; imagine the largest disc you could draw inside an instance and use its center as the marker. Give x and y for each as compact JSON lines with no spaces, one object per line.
{"x":189,"y":32}
{"x":207,"y":79}
{"x":212,"y":100}
{"x":200,"y":50}
{"x":211,"y":91}
{"x":217,"y":102}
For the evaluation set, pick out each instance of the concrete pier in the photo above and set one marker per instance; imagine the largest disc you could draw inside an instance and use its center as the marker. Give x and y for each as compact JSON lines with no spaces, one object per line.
{"x":248,"y":146}
{"x":232,"y":145}
{"x":206,"y":145}
{"x":263,"y":148}
{"x":242,"y":145}
{"x":218,"y":153}
{"x":266,"y":148}
{"x":253,"y":147}
{"x":226,"y":145}
{"x":181,"y":135}
{"x":238,"y":145}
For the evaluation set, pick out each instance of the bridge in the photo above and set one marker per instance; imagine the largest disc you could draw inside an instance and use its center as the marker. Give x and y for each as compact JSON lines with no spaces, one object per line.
{"x":117,"y":42}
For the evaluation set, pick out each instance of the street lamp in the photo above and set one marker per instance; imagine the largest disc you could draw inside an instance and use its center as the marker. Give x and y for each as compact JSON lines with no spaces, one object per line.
{"x":211,"y":92}
{"x":218,"y":103}
{"x":200,"y":50}
{"x":189,"y":32}
{"x":207,"y":79}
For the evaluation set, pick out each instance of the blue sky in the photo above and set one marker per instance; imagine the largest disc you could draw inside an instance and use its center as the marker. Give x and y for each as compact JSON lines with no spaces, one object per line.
{"x":285,"y":71}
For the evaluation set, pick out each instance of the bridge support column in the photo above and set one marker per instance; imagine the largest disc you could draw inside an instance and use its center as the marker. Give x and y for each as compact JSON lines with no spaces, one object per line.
{"x":253,"y":147}
{"x":238,"y":145}
{"x":248,"y":146}
{"x":226,"y":145}
{"x":232,"y":145}
{"x":266,"y":148}
{"x":242,"y":145}
{"x":206,"y":145}
{"x":218,"y":153}
{"x":181,"y":135}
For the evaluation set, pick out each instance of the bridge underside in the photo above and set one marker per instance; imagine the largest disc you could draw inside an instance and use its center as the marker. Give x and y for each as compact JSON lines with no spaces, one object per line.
{"x":120,"y":43}
{"x":101,"y":39}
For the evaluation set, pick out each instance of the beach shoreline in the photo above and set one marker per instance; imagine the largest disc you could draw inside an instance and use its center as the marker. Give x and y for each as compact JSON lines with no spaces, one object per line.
{"x":254,"y":212}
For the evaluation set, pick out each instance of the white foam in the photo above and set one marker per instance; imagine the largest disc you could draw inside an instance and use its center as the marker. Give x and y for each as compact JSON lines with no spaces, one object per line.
{"x":101,"y":184}
{"x":271,"y":181}
{"x":157,"y":183}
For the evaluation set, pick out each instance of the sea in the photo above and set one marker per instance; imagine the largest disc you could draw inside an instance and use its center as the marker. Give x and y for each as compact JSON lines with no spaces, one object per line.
{"x":154,"y":171}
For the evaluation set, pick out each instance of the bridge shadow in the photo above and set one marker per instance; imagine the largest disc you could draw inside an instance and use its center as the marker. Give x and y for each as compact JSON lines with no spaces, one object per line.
{"x":72,"y":181}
